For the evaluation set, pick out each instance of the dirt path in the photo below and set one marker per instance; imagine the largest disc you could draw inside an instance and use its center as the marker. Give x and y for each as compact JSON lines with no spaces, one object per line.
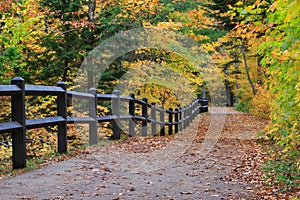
{"x":189,"y":165}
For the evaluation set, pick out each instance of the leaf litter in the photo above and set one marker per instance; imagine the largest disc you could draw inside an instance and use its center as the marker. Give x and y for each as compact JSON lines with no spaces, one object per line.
{"x":232,"y":170}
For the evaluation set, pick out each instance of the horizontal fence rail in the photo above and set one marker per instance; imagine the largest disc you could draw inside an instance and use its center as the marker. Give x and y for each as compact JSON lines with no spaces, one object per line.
{"x":178,"y":119}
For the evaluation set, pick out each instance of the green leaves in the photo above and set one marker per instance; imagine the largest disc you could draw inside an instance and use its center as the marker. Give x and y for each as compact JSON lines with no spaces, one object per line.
{"x":281,"y":61}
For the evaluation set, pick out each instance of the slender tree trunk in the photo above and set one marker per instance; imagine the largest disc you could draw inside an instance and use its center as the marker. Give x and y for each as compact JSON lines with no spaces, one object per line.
{"x":247,"y":69}
{"x":66,"y":63}
{"x":66,"y":68}
{"x":91,"y":13}
{"x":227,"y":87}
{"x":92,"y":6}
{"x":237,"y":85}
{"x":226,"y":82}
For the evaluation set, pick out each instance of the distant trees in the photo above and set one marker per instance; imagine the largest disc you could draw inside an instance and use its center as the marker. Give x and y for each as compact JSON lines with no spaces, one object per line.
{"x":255,"y":43}
{"x":265,"y":42}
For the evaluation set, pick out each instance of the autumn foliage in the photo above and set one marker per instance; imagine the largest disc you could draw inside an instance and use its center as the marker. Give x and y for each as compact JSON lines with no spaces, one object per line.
{"x":254,"y":43}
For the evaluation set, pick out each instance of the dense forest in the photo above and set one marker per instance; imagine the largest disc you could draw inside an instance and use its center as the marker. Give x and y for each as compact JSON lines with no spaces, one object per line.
{"x":254,"y":43}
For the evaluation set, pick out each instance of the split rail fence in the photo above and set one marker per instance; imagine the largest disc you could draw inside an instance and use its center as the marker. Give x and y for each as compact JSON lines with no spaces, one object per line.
{"x":178,"y":119}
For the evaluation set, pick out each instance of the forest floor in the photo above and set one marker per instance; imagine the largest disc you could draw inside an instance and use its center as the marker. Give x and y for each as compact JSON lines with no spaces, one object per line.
{"x":188,"y":165}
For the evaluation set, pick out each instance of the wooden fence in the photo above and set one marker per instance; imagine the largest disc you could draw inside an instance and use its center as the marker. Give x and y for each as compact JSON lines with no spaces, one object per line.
{"x":178,"y":119}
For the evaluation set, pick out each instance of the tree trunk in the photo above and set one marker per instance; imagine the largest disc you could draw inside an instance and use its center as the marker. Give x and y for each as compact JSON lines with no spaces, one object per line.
{"x":237,"y":85}
{"x":227,"y":87}
{"x":91,"y":12}
{"x":66,"y":68}
{"x":226,"y":82}
{"x":92,"y":6}
{"x":247,"y":69}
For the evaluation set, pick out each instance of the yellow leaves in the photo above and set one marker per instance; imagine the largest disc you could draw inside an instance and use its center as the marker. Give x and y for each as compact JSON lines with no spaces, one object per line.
{"x":135,"y":9}
{"x":239,"y":3}
{"x":103,"y":110}
{"x":5,"y":153}
{"x":275,"y":52}
{"x":199,"y":13}
{"x":199,"y":37}
{"x":293,"y":9}
{"x":197,"y":18}
{"x":147,"y":24}
{"x":287,"y":18}
{"x":260,"y":104}
{"x":170,"y":25}
{"x":152,"y":5}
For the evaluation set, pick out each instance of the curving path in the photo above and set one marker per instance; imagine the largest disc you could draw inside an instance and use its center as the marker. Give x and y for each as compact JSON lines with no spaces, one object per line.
{"x":190,"y":165}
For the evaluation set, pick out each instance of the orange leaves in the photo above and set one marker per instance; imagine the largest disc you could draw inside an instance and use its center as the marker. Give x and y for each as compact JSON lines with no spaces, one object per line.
{"x":5,"y":6}
{"x":135,"y":9}
{"x":151,"y":6}
{"x":273,"y":6}
{"x":197,"y":18}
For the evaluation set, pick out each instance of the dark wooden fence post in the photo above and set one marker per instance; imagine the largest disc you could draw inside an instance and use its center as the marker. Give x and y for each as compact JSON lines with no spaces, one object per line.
{"x":180,"y":119}
{"x":176,"y":120}
{"x":188,"y":115}
{"x":194,"y":109}
{"x":145,"y":115}
{"x":62,"y":111}
{"x":162,"y":120}
{"x":191,"y":112}
{"x":93,"y":126}
{"x":116,"y":112}
{"x":132,"y":113}
{"x":204,"y":105}
{"x":203,"y":101}
{"x":199,"y":106}
{"x":183,"y":117}
{"x":18,"y":114}
{"x":153,"y":117}
{"x":170,"y":121}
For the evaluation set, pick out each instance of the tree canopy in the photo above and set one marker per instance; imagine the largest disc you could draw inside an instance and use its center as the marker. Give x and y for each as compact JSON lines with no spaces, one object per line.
{"x":254,"y":43}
